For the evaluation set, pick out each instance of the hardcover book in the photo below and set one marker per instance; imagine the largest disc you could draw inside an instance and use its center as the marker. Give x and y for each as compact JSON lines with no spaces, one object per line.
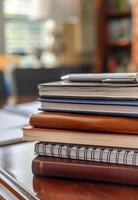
{"x":69,"y":121}
{"x":89,"y":90}
{"x":91,"y":101}
{"x":124,"y":111}
{"x":86,"y":170}
{"x":80,"y":137}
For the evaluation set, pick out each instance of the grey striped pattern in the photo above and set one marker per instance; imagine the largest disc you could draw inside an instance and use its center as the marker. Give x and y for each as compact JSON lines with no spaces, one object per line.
{"x":90,"y":153}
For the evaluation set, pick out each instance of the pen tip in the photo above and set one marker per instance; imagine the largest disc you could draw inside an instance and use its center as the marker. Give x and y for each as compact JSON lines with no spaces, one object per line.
{"x":64,"y":78}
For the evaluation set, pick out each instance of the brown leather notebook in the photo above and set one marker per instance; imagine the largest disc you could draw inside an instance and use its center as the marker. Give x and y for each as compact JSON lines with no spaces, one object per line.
{"x":63,"y":189}
{"x":58,"y":167}
{"x":80,"y":122}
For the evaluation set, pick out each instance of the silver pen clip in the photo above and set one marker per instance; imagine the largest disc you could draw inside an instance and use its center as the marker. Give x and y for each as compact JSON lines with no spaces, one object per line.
{"x":119,"y":81}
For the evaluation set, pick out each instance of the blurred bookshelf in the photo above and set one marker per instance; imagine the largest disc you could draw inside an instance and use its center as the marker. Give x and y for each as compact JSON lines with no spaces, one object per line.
{"x":119,"y":13}
{"x":115,"y":35}
{"x":123,"y":42}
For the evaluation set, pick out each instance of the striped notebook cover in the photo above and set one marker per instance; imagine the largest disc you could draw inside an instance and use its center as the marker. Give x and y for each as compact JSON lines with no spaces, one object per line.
{"x":90,"y":153}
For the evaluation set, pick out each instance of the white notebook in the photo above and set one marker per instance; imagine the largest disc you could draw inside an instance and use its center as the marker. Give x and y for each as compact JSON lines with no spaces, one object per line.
{"x":10,"y":127}
{"x":10,"y":136}
{"x":12,"y":119}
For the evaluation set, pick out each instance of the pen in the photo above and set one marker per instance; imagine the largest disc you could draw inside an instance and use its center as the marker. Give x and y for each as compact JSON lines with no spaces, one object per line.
{"x":99,"y":77}
{"x":119,"y":81}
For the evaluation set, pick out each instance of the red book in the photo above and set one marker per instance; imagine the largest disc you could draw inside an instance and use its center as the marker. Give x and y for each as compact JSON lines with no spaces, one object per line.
{"x":66,"y":168}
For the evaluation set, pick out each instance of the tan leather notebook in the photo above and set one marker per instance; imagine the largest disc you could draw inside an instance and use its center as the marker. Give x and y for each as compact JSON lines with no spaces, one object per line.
{"x":69,"y":121}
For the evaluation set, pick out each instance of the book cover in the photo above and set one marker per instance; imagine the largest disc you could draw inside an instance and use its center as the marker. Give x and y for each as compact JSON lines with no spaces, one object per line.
{"x":110,"y":110}
{"x":84,"y":170}
{"x":80,"y":137}
{"x":69,"y":121}
{"x":89,"y":90}
{"x":90,"y":101}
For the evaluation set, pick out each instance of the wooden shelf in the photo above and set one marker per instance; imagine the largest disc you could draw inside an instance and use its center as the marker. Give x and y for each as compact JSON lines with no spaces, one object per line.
{"x":119,"y":13}
{"x":112,"y":18}
{"x":119,"y":43}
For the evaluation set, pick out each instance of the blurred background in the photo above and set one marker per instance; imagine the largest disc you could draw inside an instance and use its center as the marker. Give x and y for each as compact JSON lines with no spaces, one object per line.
{"x":41,"y":40}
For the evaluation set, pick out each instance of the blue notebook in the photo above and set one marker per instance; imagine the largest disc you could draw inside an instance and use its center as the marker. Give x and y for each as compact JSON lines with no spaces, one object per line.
{"x":90,"y":101}
{"x":95,"y":107}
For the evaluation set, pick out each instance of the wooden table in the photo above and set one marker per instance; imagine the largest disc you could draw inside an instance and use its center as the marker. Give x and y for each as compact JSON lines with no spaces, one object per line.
{"x":16,"y":159}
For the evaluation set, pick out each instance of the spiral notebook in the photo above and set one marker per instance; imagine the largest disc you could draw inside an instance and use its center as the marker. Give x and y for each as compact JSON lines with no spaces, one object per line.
{"x":102,"y":154}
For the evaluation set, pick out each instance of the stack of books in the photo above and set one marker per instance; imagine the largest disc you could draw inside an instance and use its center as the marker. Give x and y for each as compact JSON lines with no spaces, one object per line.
{"x":87,"y":128}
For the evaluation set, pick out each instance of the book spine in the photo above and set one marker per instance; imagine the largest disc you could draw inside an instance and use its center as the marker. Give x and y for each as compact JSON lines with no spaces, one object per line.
{"x":42,"y":166}
{"x":88,"y":153}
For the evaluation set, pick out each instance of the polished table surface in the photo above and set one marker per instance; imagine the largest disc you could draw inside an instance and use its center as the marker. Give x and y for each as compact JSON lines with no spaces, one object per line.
{"x":16,"y":159}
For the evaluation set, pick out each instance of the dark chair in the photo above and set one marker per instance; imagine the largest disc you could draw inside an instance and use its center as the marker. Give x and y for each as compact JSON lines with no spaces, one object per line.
{"x":26,"y":80}
{"x":2,"y":90}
